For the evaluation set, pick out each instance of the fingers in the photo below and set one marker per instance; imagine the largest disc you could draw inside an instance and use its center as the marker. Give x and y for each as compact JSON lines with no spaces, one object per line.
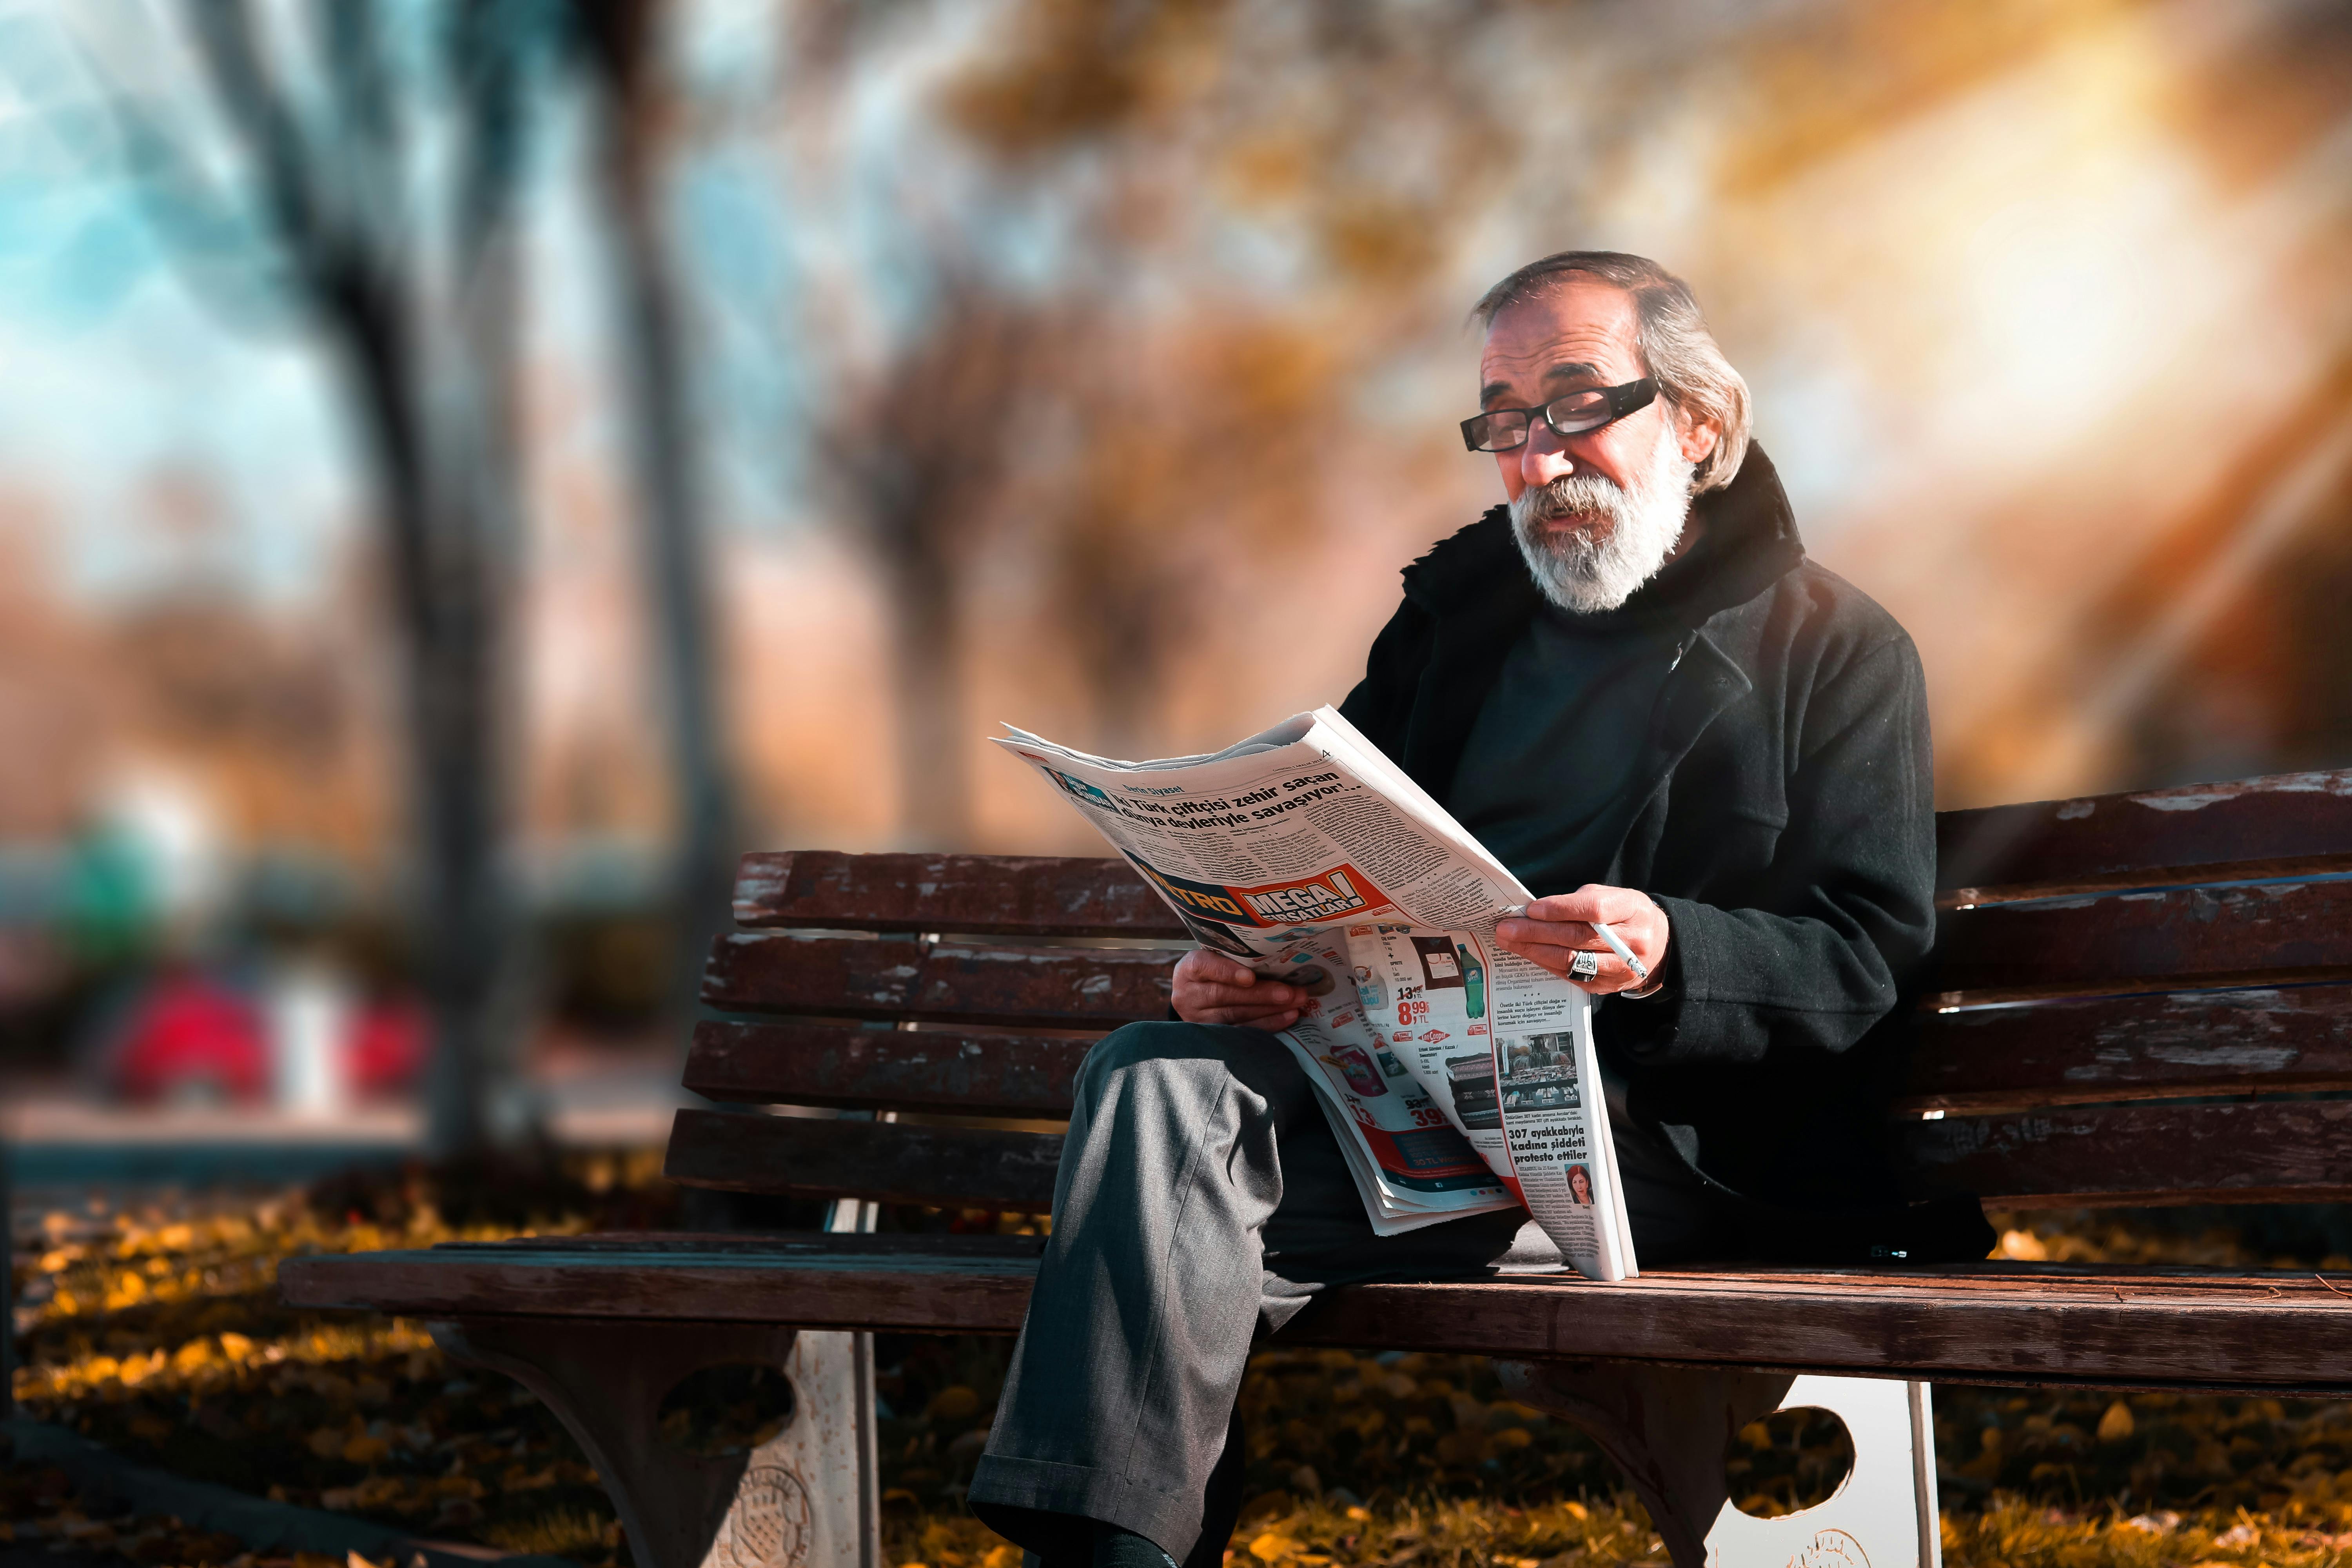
{"x":1566,"y":920}
{"x":1555,"y":956}
{"x":1270,"y":1007}
{"x":1215,"y":969}
{"x":1546,"y":931}
{"x":1263,"y":997}
{"x":1554,"y":930}
{"x":1591,"y":903}
{"x":1551,"y":952}
{"x":1579,"y":905}
{"x":1211,"y":988}
{"x":1240,"y":1017}
{"x":1235,"y":984}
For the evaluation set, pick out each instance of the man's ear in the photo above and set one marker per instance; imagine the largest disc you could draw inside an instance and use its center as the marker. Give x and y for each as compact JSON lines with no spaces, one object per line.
{"x":1697,"y":437}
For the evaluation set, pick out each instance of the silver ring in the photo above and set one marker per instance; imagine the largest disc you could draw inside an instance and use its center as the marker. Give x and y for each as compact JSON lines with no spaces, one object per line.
{"x":1584,"y":965}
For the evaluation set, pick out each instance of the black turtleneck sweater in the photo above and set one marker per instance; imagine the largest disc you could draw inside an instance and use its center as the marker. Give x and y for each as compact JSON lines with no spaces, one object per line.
{"x":1547,"y":772}
{"x":1548,"y":782}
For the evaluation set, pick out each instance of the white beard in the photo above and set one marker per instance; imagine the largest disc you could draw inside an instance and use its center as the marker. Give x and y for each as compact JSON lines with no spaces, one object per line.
{"x":1636,"y":530}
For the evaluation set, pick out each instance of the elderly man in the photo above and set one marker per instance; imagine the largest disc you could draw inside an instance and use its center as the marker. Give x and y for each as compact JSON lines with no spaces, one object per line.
{"x":1635,"y":689}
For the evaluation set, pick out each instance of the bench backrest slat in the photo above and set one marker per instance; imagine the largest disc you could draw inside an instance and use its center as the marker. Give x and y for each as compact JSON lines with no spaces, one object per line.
{"x":851,"y":977}
{"x":2078,"y":1050}
{"x":2260,"y":1152}
{"x":2071,"y":1156}
{"x":983,"y":895}
{"x":2190,"y":938}
{"x":843,"y":1065}
{"x":2287,"y":824}
{"x":941,"y":1167}
{"x":2282,"y":933}
{"x":2297,"y":1039}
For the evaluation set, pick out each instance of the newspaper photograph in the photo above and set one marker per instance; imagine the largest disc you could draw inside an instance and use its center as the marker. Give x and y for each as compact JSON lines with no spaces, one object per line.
{"x":1458,"y":1078}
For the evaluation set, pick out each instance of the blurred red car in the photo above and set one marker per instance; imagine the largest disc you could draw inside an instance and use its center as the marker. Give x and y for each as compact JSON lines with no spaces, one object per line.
{"x":192,"y":1036}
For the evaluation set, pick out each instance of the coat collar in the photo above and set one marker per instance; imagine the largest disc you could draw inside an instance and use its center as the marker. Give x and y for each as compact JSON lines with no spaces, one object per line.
{"x":1751,"y":541}
{"x":1478,"y":592}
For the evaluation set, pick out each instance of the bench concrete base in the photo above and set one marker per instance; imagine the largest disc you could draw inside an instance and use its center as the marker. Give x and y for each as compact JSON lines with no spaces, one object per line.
{"x":1670,"y":1427}
{"x":807,"y":1498}
{"x":804,"y":1499}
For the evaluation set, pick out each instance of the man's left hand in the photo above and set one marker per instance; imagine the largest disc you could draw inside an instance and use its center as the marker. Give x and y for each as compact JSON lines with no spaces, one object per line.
{"x":1554,"y":930}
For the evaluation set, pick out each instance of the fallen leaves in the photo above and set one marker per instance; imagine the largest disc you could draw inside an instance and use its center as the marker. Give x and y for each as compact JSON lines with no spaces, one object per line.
{"x":2024,"y":1533}
{"x":161,"y":1335}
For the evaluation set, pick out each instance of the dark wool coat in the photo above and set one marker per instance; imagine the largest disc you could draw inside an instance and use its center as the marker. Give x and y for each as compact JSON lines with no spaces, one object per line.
{"x":1786,"y":825}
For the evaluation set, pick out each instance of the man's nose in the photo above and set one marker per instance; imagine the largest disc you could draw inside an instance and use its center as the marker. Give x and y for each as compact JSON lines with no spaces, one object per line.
{"x":1543,"y":457}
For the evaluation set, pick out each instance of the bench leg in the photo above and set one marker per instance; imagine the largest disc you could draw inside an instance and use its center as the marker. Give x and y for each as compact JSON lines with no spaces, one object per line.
{"x":1669,"y":1428}
{"x":804,"y":1499}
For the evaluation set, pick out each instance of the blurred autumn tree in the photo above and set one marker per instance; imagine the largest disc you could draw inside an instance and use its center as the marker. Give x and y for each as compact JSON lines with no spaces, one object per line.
{"x":1143,"y":429}
{"x":385,"y":148}
{"x":1202,"y":419}
{"x":921,"y":444}
{"x":402,"y":255}
{"x":618,"y":44}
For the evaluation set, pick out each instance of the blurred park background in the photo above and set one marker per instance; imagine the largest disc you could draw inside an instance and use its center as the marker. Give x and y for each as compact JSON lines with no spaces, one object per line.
{"x":470,"y":467}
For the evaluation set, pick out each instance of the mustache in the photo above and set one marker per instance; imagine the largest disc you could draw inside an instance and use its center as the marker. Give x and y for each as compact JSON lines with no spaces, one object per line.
{"x":1571,"y":495}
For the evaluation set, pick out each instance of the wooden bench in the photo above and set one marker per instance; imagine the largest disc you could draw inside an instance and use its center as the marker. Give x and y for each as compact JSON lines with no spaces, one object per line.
{"x":2141,"y":1000}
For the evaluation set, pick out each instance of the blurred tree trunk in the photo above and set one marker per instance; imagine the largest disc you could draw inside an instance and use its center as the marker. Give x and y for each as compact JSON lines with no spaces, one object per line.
{"x":619,"y":42}
{"x":923,"y":451}
{"x":427,"y":352}
{"x":918,"y":557}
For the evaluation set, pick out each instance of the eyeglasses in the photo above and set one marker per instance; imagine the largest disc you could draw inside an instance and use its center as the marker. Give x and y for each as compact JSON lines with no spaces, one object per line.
{"x":1502,"y":429}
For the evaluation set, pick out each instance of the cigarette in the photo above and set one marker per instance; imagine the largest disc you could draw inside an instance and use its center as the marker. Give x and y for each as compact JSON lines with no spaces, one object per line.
{"x":1616,"y":943}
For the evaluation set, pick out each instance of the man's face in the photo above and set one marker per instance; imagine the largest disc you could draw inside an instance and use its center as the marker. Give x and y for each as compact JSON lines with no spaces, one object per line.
{"x":1575,"y":334}
{"x":1596,"y":515}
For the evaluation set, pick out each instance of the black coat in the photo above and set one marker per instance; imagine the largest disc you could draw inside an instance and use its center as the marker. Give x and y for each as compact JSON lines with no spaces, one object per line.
{"x":1786,"y":825}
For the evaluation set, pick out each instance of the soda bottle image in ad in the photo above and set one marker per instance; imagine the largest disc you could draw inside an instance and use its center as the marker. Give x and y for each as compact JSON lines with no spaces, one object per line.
{"x":1474,"y":980}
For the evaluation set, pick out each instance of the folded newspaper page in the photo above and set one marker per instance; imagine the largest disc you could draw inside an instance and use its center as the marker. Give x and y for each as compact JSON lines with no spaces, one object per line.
{"x":1459,"y":1078}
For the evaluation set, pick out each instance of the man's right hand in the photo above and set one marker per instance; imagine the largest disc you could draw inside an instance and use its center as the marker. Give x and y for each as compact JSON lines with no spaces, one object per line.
{"x":1214,"y":989}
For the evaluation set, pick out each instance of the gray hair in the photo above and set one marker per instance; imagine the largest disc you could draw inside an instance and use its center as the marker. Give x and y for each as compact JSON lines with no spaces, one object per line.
{"x":1669,"y":333}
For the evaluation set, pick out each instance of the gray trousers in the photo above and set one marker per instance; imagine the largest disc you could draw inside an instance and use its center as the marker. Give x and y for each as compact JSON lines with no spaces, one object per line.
{"x":1203,"y":1198}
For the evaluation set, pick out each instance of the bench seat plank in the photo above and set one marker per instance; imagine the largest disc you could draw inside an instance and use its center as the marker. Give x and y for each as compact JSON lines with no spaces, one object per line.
{"x":2279,"y":933}
{"x":2269,"y":1041}
{"x":842,"y":1065}
{"x":2271,"y":1332}
{"x":948,"y":983}
{"x":2281,"y":1151}
{"x":985,"y":895}
{"x":792,"y":1156}
{"x":2286,"y":825}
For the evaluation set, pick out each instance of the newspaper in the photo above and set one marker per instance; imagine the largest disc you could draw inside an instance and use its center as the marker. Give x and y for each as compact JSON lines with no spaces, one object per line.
{"x":1459,"y":1078}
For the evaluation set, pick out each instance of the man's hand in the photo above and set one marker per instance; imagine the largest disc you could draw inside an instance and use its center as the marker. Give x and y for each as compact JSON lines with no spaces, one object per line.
{"x":1556,"y":928}
{"x":1214,"y":989}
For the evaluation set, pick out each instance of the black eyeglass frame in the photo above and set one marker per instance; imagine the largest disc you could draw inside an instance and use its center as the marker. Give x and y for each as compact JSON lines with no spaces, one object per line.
{"x":1631,"y":398}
